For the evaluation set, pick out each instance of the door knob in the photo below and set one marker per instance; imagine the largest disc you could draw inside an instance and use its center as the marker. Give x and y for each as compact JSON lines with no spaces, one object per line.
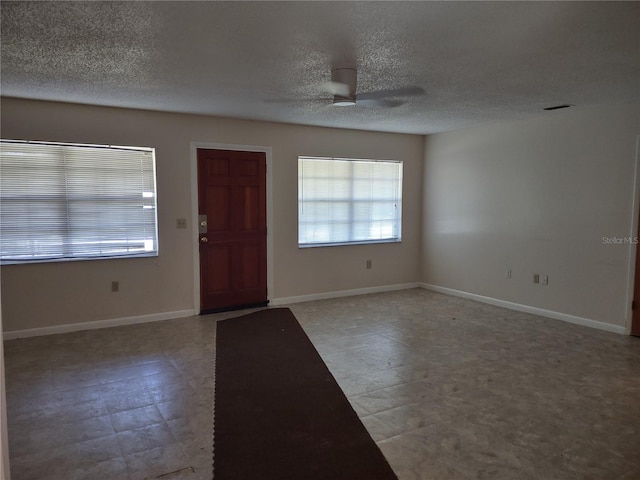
{"x":204,"y":239}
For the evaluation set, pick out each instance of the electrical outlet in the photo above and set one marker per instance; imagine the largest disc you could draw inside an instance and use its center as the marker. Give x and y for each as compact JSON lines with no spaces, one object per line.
{"x":369,"y":265}
{"x":115,"y":286}
{"x":545,"y":280}
{"x":508,"y":275}
{"x":536,"y":278}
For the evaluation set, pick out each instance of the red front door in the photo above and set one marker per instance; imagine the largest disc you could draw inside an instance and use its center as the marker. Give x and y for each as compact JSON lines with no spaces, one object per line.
{"x":233,"y":229}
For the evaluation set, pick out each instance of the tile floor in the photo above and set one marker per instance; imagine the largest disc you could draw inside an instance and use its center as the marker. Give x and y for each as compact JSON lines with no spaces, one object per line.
{"x":449,"y":389}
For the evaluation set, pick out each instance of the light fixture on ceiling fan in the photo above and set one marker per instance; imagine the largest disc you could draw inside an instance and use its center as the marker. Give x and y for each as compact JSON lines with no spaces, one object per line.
{"x":343,"y":86}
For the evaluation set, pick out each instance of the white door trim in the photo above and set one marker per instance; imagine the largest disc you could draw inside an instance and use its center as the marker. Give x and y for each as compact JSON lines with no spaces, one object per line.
{"x":634,"y":248}
{"x":194,"y":211}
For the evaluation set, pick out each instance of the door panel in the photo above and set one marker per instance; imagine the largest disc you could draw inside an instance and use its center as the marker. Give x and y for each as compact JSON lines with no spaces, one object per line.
{"x":233,"y":251}
{"x":249,"y":255}
{"x":217,"y":207}
{"x":219,"y":268}
{"x":249,"y":206}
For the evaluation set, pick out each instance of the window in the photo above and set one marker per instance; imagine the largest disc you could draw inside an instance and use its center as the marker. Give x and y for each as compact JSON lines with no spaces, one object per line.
{"x":68,"y":202}
{"x":346,"y":201}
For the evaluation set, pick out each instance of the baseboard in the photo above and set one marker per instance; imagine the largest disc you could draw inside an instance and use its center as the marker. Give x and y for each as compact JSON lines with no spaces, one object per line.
{"x":342,"y":293}
{"x":113,"y":322}
{"x":587,"y":322}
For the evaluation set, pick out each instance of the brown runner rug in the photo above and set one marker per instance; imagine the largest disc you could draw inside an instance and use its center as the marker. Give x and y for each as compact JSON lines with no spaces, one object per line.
{"x":279,"y":413}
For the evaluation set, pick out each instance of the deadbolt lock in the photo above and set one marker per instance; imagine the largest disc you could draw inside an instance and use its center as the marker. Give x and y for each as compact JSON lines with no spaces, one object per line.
{"x":202,"y":223}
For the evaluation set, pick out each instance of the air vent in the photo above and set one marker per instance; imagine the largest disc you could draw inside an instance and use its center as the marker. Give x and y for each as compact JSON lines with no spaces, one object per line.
{"x":558,"y":107}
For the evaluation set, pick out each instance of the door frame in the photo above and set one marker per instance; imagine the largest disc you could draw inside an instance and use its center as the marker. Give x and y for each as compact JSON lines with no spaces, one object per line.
{"x":634,"y":248}
{"x":194,"y":211}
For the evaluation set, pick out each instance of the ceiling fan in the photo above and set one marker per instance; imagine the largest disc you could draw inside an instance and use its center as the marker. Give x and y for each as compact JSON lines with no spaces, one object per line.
{"x":343,"y":87}
{"x":344,"y":83}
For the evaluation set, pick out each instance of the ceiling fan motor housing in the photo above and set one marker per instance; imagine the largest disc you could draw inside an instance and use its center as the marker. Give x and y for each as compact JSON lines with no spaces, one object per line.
{"x":349,"y":78}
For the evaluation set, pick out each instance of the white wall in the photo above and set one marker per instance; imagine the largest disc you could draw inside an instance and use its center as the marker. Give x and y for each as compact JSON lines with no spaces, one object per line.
{"x":45,"y":295}
{"x":535,"y":196}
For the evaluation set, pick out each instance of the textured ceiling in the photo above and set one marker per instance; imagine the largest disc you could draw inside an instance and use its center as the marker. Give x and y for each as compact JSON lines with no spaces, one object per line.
{"x":476,"y":61}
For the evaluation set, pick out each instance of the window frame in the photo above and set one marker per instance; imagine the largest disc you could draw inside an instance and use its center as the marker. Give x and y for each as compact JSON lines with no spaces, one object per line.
{"x":65,"y":252}
{"x":395,"y":238}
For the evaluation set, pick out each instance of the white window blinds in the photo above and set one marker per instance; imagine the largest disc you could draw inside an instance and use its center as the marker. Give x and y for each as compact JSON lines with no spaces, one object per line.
{"x":343,"y":201}
{"x":66,"y":201}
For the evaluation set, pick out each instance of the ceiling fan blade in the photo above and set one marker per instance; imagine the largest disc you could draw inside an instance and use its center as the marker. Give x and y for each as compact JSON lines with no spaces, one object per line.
{"x":399,"y":92}
{"x":299,"y":101}
{"x":378,"y":102}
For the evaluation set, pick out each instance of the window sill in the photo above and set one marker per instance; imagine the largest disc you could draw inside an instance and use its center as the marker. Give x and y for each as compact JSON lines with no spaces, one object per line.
{"x":342,"y":244}
{"x":78,"y":259}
